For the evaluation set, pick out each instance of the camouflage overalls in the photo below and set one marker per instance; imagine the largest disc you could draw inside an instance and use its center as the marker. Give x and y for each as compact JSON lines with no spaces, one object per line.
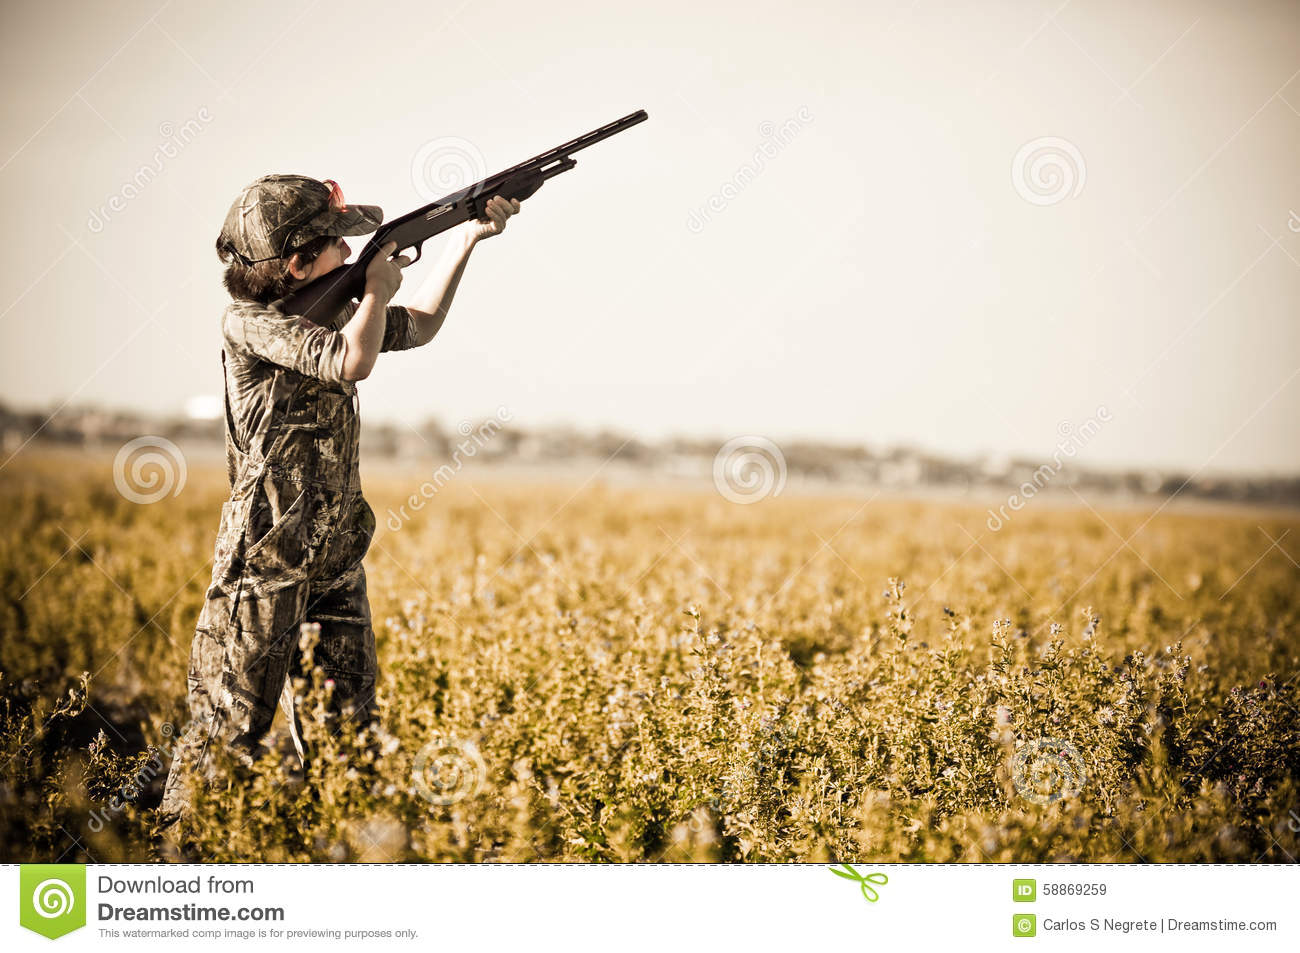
{"x":292,"y":536}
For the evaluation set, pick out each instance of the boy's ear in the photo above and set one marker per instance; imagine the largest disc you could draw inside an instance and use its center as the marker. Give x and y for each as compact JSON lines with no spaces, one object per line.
{"x":297,"y":268}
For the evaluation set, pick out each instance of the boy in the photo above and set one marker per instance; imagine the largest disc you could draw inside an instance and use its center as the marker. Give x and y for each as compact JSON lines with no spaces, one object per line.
{"x":296,"y":526}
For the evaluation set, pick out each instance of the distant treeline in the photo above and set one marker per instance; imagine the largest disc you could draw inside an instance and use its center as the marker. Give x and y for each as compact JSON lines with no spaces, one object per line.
{"x":499,"y":441}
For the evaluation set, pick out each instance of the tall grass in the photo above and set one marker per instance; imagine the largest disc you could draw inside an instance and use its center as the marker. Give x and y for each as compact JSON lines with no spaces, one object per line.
{"x":638,"y":674}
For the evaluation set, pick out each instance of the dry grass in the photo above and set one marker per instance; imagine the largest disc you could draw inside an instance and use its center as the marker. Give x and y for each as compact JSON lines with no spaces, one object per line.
{"x":642,"y":675}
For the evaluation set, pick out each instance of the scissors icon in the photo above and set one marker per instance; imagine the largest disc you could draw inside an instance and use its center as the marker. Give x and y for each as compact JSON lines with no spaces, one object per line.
{"x":868,"y":891}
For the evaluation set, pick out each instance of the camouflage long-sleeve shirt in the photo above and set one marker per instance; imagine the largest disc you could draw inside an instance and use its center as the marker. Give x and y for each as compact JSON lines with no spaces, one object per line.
{"x":287,"y":404}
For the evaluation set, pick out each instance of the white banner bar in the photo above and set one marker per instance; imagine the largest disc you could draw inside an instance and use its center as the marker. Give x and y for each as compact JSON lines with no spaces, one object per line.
{"x":591,"y":907}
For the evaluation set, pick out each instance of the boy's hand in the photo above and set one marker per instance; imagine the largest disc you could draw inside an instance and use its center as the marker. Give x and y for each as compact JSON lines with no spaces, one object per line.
{"x":384,"y":274}
{"x":497,"y":211}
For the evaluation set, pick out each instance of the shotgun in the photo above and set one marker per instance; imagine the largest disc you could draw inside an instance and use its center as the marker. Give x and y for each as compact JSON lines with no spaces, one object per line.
{"x":320,"y":300}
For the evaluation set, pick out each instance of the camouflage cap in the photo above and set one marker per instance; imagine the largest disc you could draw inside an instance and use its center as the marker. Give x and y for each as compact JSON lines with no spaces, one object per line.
{"x":278,"y":213}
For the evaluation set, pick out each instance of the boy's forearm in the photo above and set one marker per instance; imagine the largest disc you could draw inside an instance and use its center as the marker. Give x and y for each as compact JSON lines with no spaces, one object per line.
{"x":365,"y":335}
{"x":431,"y":303}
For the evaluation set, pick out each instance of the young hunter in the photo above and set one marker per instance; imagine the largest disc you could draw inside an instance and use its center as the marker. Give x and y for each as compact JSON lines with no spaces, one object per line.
{"x":296,"y":527}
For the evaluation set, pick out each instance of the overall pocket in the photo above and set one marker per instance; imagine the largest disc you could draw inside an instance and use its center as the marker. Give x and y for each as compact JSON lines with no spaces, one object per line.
{"x":278,"y":541}
{"x":336,"y":436}
{"x":228,"y":551}
{"x":350,"y":542}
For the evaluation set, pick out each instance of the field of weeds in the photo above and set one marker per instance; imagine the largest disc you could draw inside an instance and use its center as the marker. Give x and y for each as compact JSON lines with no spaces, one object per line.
{"x":577,"y":673}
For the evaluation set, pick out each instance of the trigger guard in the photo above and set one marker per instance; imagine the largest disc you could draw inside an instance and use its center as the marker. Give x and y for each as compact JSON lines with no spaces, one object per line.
{"x":419,"y":250}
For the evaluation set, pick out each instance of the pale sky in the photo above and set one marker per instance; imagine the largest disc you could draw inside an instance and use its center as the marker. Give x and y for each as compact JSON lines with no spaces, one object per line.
{"x":884,"y":273}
